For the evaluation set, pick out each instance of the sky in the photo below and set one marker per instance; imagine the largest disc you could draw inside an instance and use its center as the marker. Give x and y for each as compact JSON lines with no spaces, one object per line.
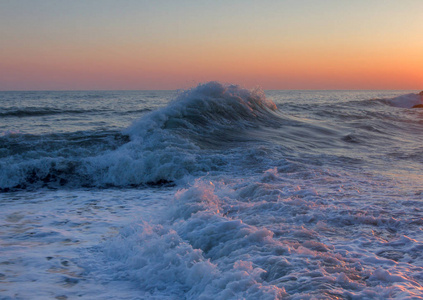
{"x":148,"y":45}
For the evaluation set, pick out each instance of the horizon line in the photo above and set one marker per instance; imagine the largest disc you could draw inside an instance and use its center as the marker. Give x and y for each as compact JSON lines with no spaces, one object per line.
{"x":182,"y":89}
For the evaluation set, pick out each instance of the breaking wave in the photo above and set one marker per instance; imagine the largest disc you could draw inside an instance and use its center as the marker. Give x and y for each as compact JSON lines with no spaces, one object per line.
{"x":165,"y":145}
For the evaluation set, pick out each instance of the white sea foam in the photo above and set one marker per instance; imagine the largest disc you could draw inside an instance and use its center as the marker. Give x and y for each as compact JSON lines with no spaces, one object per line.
{"x":268,"y":239}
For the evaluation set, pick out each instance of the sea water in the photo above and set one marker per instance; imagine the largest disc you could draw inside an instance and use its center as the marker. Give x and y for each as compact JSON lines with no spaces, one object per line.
{"x":217,"y":192}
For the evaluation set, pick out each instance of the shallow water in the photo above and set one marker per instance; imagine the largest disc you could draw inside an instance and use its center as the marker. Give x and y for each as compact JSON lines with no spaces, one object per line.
{"x":212,"y":193}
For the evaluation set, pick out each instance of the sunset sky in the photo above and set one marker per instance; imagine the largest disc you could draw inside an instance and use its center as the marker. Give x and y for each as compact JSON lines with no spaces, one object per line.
{"x":134,"y":44}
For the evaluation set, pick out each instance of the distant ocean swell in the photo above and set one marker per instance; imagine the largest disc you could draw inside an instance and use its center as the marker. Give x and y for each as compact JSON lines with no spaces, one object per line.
{"x":48,"y":111}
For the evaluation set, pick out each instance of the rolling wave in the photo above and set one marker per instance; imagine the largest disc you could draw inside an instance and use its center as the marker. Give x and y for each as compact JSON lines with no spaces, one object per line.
{"x":164,"y":145}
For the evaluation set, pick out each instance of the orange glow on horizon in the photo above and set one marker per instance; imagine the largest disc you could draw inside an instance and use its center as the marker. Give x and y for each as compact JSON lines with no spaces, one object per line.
{"x":329,"y":49}
{"x":268,"y":68}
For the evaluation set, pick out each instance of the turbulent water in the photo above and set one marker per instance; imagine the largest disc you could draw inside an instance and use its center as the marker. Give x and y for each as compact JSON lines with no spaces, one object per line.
{"x":217,"y":192}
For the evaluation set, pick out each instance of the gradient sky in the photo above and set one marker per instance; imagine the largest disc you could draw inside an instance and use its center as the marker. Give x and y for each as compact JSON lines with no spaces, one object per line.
{"x":134,"y":44}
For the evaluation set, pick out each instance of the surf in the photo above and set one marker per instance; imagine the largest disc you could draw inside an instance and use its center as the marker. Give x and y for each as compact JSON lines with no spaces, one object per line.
{"x":164,"y":146}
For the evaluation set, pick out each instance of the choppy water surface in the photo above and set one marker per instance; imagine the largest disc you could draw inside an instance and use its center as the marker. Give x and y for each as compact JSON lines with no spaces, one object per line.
{"x":212,"y":193}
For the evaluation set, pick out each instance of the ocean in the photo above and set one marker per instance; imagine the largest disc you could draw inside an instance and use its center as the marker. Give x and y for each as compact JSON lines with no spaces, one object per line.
{"x":216,"y":192}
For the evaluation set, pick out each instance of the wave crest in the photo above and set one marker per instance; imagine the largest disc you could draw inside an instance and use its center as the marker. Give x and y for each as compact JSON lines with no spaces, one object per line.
{"x":210,"y":105}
